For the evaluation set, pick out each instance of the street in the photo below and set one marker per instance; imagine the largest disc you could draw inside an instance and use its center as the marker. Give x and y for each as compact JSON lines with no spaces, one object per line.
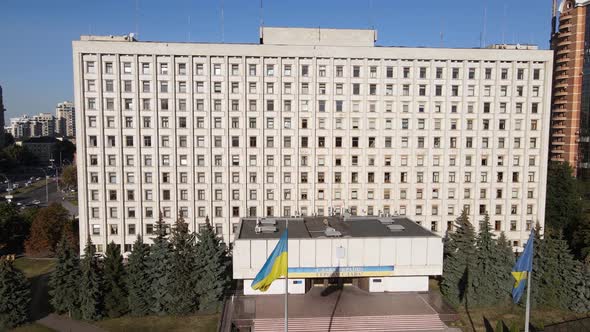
{"x":39,"y":194}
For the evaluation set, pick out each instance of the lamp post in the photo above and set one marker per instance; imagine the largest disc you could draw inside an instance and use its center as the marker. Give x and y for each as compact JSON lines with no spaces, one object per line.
{"x":46,"y":185}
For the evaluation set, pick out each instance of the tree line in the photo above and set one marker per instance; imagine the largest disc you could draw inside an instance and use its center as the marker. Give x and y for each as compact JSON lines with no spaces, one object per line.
{"x":477,"y":270}
{"x":179,"y":274}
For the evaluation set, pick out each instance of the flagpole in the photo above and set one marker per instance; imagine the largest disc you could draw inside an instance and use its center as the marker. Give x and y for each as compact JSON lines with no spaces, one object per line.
{"x":287,"y":280}
{"x":528,"y":301}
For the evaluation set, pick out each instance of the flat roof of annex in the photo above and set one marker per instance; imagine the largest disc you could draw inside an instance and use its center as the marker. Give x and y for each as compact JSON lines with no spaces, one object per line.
{"x":306,"y":42}
{"x":349,"y":227}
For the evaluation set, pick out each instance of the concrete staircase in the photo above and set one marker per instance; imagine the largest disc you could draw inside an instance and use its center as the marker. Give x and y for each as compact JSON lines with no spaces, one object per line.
{"x":350,"y":324}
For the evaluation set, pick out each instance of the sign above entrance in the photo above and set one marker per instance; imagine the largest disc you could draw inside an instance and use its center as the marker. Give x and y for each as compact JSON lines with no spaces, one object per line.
{"x":341,"y":271}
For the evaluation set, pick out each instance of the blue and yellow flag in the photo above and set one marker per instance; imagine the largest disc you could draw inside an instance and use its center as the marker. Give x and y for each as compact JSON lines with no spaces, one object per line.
{"x":523,"y":266}
{"x":275,"y":266}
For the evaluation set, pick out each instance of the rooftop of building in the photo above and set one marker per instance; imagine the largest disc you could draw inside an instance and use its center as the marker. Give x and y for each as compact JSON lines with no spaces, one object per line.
{"x":301,"y":36}
{"x":335,"y":226}
{"x":42,"y":139}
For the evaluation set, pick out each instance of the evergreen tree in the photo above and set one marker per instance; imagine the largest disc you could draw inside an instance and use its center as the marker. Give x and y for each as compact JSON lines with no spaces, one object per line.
{"x":160,"y":270}
{"x":64,"y":281}
{"x":91,"y":290}
{"x":459,"y":262}
{"x":15,"y":296}
{"x":570,"y":276}
{"x":505,"y":265}
{"x":183,"y":278}
{"x":139,"y":279}
{"x":487,"y":286}
{"x":213,"y":269}
{"x":563,"y":200}
{"x":115,"y":296}
{"x":538,"y":266}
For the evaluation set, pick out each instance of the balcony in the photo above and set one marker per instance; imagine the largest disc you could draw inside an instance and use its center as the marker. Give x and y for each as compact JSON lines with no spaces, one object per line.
{"x":561,"y":51}
{"x":560,"y":93}
{"x":559,"y":133}
{"x":562,"y":59}
{"x":560,"y":101}
{"x":557,"y":150}
{"x":559,"y":126}
{"x":562,"y":84}
{"x":558,"y":158}
{"x":558,"y":143}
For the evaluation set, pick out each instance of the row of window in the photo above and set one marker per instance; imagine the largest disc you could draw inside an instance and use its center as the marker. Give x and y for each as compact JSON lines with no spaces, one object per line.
{"x":127,"y":104}
{"x":372,"y":123}
{"x":218,"y":195}
{"x":218,"y":160}
{"x":320,"y":177}
{"x":323,"y":89}
{"x":287,"y":142}
{"x":356,"y":71}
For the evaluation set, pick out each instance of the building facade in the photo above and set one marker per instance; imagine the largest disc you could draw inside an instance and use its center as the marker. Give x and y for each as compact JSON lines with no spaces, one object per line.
{"x":65,"y":119}
{"x":43,"y":148}
{"x":570,"y":121}
{"x":40,"y":125}
{"x":309,"y":122}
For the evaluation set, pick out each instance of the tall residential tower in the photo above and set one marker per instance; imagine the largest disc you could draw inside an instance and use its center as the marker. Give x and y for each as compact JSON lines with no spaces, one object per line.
{"x":308,"y":122}
{"x":570,"y":119}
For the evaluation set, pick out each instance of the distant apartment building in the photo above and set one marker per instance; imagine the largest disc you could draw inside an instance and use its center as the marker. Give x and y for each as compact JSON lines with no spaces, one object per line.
{"x":310,"y":122}
{"x":570,"y":109}
{"x":65,"y":119}
{"x":40,"y":125}
{"x":2,"y":111}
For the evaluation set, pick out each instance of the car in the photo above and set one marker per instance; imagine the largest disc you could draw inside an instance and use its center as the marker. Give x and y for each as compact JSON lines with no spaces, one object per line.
{"x":19,"y":203}
{"x":38,"y":179}
{"x":36,"y":202}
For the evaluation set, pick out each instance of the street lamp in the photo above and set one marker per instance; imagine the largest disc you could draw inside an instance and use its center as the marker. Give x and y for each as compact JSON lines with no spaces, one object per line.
{"x":46,"y":185}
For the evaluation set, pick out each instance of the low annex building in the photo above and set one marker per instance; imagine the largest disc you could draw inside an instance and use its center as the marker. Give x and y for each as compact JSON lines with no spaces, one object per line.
{"x":377,"y":254}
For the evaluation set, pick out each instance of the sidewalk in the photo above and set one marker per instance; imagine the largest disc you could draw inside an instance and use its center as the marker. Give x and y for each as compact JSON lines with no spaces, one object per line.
{"x":65,"y":324}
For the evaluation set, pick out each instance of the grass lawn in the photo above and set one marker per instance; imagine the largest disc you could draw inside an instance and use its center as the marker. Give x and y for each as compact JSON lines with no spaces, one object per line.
{"x":196,"y":323}
{"x":513,"y":314}
{"x":33,"y":267}
{"x":34,"y":327}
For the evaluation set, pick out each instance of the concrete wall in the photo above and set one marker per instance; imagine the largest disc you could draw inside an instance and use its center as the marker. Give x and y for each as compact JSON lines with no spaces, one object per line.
{"x":296,"y":286}
{"x":409,"y":256}
{"x":399,"y":284}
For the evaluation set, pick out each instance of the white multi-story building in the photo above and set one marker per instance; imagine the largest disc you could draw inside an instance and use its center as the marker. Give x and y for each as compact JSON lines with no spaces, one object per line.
{"x":25,"y":126}
{"x":309,"y":122}
{"x":65,"y":119}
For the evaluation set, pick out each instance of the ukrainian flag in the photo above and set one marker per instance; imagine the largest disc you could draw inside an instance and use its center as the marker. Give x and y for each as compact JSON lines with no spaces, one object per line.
{"x":275,"y":266}
{"x":523,"y":266}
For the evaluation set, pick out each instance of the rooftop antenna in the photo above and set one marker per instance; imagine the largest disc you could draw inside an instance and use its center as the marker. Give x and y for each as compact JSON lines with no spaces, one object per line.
{"x":504,"y":25}
{"x":137,"y":17}
{"x":188,"y":33}
{"x":371,"y":15}
{"x":485,"y":19}
{"x":261,"y":14}
{"x":222,"y":24}
{"x":442,"y":34}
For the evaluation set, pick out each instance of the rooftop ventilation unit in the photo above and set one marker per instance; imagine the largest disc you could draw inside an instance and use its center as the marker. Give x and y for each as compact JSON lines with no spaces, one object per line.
{"x":265,"y":229}
{"x":331,"y":232}
{"x":396,"y":227}
{"x":386,"y":220}
{"x":267,"y":221}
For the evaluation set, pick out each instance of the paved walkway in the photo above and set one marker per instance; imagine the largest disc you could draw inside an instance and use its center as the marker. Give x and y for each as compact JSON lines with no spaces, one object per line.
{"x":65,"y":324}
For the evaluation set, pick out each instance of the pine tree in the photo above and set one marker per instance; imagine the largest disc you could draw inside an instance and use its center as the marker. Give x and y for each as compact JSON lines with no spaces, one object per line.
{"x":91,"y":290}
{"x":487,"y":287}
{"x":115,"y":296}
{"x":459,"y":262}
{"x":183,"y":278}
{"x":213,"y":270}
{"x":139,"y":279}
{"x":160,"y":270}
{"x":505,"y":264}
{"x":538,"y":267}
{"x":15,"y":296}
{"x":570,"y":275}
{"x":65,"y":279}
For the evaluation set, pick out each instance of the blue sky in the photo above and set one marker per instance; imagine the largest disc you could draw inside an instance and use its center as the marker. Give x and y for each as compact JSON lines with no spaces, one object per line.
{"x":36,"y":35}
